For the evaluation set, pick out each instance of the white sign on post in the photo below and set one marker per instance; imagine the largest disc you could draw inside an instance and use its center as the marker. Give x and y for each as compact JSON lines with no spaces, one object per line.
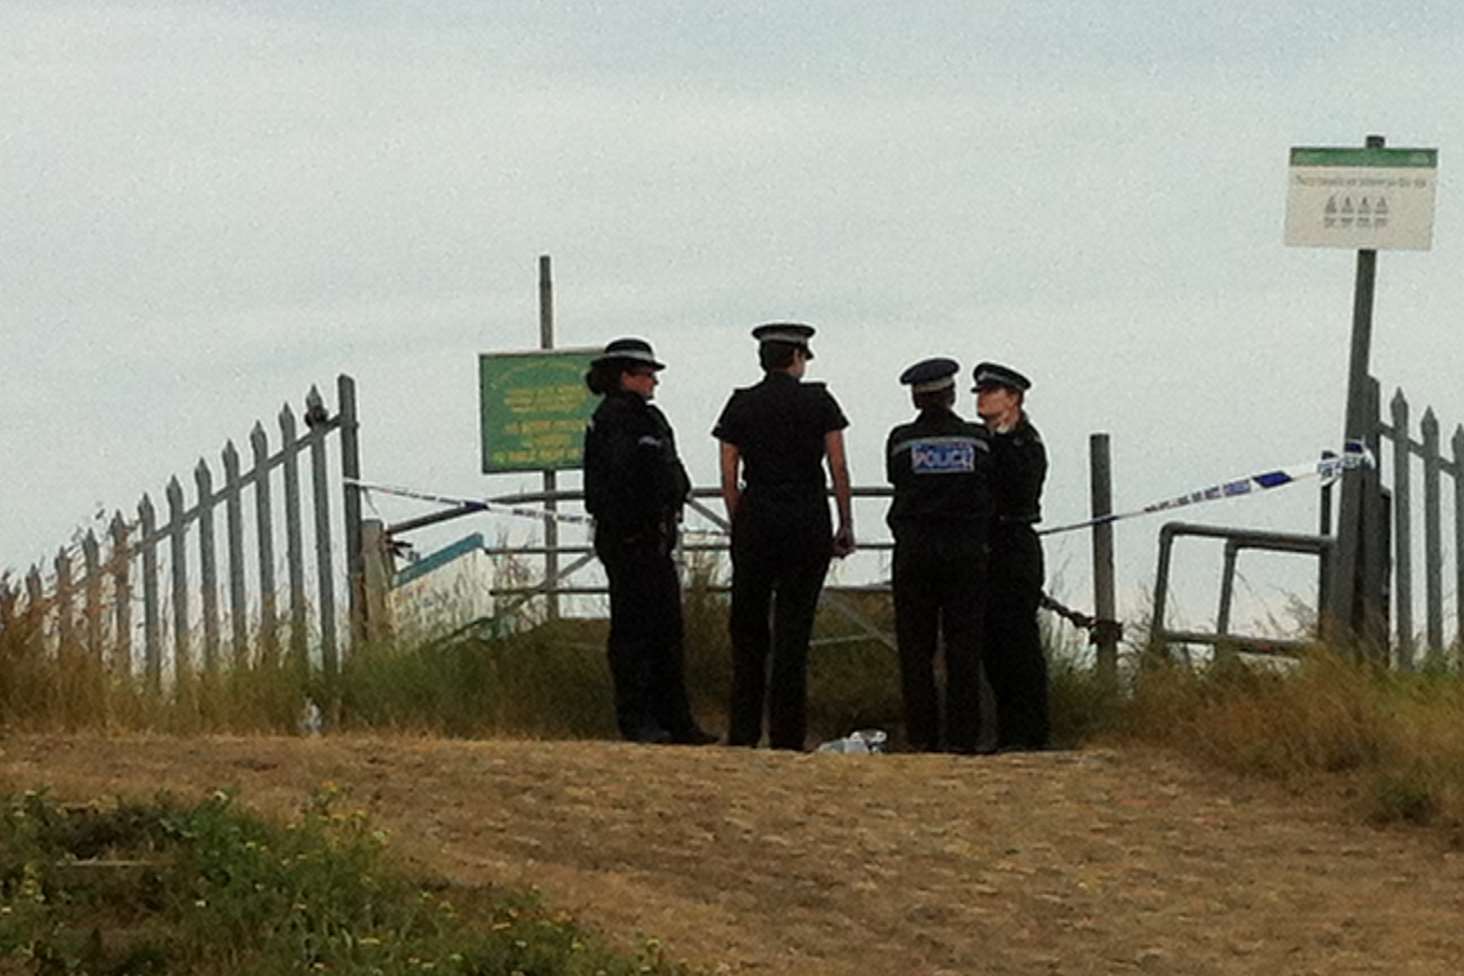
{"x":1361,"y":198}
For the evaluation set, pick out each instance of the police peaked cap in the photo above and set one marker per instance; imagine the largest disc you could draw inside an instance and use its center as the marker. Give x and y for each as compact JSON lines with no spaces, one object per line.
{"x":793,"y":333}
{"x":629,"y":351}
{"x":930,"y":375}
{"x":995,"y":374}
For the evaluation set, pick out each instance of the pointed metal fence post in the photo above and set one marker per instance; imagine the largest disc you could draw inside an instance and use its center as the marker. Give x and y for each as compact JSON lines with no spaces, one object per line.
{"x":208,"y":566}
{"x":1433,"y":557}
{"x":294,"y":545}
{"x":1402,"y":532}
{"x":264,"y":532}
{"x":121,"y":565}
{"x":152,"y":630}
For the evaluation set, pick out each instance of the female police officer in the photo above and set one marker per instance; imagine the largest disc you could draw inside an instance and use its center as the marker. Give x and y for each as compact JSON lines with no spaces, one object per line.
{"x":775,"y":437}
{"x":1015,"y":664}
{"x":634,"y":487}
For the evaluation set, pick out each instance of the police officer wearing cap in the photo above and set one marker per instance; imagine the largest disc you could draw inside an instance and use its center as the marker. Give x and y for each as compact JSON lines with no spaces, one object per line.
{"x":939,"y":465}
{"x":634,"y":487}
{"x":776,"y":438}
{"x":1015,"y":664}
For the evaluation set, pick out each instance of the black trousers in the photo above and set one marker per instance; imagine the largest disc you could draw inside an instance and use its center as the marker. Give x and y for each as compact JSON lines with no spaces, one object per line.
{"x":940,"y":574}
{"x":780,"y":555}
{"x":1015,"y":663}
{"x":645,"y":646}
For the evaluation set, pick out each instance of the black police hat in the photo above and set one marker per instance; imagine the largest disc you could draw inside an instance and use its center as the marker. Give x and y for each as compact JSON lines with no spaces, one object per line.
{"x":995,"y":374}
{"x":630,"y":351}
{"x":930,"y":375}
{"x":793,"y":333}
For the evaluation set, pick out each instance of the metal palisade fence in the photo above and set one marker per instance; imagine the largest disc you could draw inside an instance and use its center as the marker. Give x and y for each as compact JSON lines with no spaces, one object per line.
{"x":1426,"y":449}
{"x":88,"y":607}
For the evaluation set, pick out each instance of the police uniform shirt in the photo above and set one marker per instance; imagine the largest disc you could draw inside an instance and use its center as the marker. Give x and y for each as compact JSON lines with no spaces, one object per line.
{"x":633,"y":476}
{"x":1019,"y":463}
{"x":778,"y":427}
{"x":939,"y":465}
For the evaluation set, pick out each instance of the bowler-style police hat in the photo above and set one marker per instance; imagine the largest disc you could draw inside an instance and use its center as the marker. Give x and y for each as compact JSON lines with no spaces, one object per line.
{"x":930,"y":375}
{"x":995,"y":374}
{"x":630,"y":352}
{"x":793,"y":333}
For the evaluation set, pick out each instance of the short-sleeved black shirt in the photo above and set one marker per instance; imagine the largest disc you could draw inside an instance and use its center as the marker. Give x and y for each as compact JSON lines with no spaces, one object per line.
{"x":778,"y":427}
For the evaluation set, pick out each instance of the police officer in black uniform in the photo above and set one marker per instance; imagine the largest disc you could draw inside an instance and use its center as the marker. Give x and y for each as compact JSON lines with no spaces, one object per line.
{"x":635,"y":486}
{"x":939,"y":465}
{"x":776,"y":437}
{"x":1013,"y":655}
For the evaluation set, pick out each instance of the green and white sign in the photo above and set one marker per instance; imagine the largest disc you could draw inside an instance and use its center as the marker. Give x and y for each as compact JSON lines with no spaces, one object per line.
{"x":533,"y":407}
{"x":1361,"y":198}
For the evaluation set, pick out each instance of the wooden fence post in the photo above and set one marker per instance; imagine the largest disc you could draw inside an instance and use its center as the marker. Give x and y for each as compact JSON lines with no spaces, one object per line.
{"x":1402,"y":531}
{"x":264,"y":527}
{"x":1432,"y":536}
{"x":1105,"y":606}
{"x":377,"y":573}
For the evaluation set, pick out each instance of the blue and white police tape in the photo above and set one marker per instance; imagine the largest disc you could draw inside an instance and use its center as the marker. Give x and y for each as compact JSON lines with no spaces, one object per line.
{"x":495,"y":508}
{"x":1328,"y":469}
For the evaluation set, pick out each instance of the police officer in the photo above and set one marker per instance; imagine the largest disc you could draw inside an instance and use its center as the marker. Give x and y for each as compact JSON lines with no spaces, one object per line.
{"x":939,"y":466}
{"x":635,"y":486}
{"x":775,"y":440}
{"x":1014,"y":660}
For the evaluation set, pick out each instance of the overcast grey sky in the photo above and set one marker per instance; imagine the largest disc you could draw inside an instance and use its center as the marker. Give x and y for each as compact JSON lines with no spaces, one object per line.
{"x":210,"y":206}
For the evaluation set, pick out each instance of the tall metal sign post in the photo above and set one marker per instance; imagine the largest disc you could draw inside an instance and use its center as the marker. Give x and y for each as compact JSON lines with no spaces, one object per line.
{"x":551,"y":479}
{"x":1368,"y":199}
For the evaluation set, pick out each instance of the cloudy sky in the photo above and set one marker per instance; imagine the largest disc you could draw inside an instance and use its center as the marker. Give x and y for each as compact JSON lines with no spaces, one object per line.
{"x":211,"y":206}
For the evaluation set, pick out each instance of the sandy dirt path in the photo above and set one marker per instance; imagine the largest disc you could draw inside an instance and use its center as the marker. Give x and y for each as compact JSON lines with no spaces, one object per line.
{"x":749,"y":862}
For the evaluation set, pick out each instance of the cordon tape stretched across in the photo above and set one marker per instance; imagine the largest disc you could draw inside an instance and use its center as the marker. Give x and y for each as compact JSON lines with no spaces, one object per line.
{"x":1328,"y":469}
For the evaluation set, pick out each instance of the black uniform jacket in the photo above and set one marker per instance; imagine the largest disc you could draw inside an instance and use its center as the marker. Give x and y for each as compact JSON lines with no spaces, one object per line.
{"x":940,"y":466}
{"x":1019,"y":465}
{"x":634,"y":481}
{"x":778,"y":427}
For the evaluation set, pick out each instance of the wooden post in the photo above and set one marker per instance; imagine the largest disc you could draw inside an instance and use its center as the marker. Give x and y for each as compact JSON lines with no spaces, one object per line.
{"x":294,"y":544}
{"x":234,"y":524}
{"x":1433,"y":557}
{"x":551,"y":480}
{"x":1105,"y":605}
{"x":350,"y":472}
{"x":1225,"y":651}
{"x":1343,"y":593}
{"x":178,"y":558}
{"x":122,"y":597}
{"x":152,"y":638}
{"x":325,"y":575}
{"x":208,"y":566}
{"x":264,"y":535}
{"x":377,"y":573}
{"x":1402,"y":532}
